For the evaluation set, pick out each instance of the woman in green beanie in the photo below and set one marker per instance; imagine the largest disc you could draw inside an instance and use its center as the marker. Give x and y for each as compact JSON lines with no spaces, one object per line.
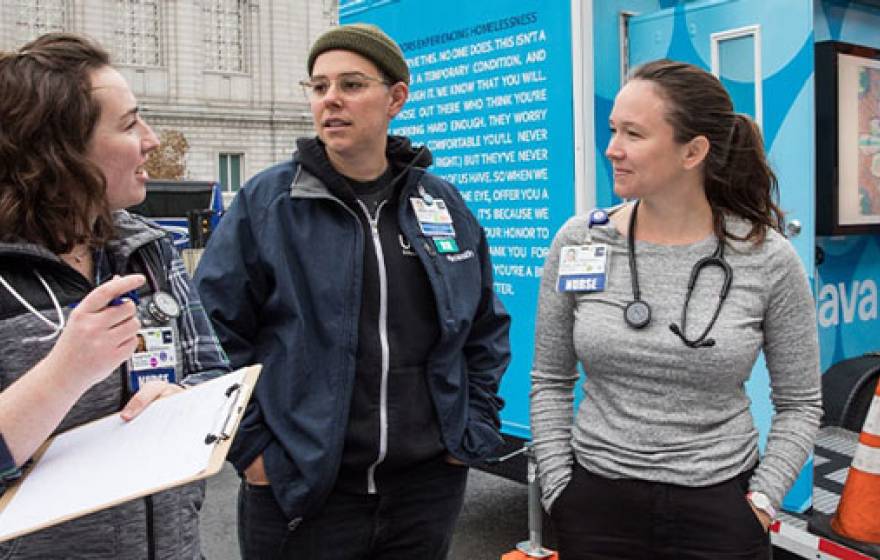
{"x":363,"y":285}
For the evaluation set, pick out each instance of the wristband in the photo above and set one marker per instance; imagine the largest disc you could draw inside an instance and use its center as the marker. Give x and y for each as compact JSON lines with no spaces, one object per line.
{"x":760,"y":501}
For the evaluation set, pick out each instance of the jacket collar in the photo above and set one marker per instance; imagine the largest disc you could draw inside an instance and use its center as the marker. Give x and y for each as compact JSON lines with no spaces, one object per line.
{"x":25,"y":250}
{"x":306,"y":185}
{"x":132,"y":232}
{"x":408,"y":163}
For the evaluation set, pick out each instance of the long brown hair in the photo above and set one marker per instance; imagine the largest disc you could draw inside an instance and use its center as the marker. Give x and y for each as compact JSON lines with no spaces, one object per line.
{"x":50,"y":193}
{"x":737,"y":177}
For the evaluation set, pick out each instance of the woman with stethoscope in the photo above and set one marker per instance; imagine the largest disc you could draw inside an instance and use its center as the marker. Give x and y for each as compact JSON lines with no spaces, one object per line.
{"x":81,"y":281}
{"x":667,"y":303}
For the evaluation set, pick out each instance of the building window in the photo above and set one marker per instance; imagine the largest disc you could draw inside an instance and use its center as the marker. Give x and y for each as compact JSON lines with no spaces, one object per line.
{"x":36,"y":17}
{"x":136,"y":33}
{"x":224,"y":39}
{"x":230,"y":171}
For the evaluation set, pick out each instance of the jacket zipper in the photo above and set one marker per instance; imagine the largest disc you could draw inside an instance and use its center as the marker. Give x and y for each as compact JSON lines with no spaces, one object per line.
{"x":383,"y":343}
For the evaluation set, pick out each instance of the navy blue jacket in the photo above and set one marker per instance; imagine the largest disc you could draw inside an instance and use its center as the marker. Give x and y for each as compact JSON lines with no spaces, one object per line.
{"x":282,"y":282}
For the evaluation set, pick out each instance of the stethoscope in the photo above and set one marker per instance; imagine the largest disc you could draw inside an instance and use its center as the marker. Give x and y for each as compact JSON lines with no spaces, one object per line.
{"x":161,"y":308}
{"x":637,"y":313}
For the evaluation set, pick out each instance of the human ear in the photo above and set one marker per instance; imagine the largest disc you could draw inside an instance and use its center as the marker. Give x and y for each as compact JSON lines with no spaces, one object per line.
{"x":695,"y":151}
{"x":399,"y":94}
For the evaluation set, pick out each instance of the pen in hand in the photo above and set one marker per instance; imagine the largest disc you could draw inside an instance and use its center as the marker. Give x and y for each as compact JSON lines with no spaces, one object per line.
{"x":100,"y":333}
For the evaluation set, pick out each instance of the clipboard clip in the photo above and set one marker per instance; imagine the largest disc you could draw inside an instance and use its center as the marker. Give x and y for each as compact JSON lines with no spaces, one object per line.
{"x":224,"y":432}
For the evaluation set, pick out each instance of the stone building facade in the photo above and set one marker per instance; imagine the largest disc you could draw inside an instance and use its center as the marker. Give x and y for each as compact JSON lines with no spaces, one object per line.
{"x":222,"y":72}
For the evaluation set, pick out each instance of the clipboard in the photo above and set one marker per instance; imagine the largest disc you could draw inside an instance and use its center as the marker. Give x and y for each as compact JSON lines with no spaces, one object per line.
{"x":176,"y":440}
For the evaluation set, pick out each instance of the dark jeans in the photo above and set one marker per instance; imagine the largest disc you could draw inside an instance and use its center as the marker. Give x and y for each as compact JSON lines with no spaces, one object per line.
{"x":416,"y":520}
{"x":598,"y":518}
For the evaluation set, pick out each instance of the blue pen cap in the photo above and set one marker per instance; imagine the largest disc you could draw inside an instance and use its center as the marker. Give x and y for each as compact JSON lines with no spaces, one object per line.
{"x":132,"y":295}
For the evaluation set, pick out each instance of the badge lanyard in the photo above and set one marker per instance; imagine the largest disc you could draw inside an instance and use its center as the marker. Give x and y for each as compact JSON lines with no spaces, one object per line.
{"x":638,"y":313}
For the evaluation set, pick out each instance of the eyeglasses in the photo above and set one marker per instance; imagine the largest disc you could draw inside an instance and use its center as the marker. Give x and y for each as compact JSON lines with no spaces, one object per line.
{"x":349,"y":84}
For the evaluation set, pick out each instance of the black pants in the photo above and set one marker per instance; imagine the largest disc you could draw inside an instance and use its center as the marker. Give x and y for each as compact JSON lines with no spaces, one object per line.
{"x":416,"y":520}
{"x":598,"y":518}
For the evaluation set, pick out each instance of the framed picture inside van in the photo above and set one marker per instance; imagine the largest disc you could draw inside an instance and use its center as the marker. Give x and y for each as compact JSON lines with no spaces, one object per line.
{"x":847,"y":82}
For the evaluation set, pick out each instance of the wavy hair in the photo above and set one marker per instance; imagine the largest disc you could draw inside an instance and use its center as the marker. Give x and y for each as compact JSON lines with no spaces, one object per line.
{"x":51,"y":194}
{"x":737,"y":177}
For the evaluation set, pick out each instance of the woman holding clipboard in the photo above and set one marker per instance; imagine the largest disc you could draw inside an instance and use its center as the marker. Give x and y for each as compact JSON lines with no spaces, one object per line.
{"x":81,"y":283}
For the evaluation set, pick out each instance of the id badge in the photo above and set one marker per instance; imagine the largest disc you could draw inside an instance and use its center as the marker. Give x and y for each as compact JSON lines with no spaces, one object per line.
{"x":434,"y":219}
{"x":154,"y":359}
{"x":583,"y":268}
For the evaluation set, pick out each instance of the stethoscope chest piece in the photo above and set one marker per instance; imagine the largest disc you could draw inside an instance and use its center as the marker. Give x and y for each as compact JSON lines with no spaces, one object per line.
{"x":637,"y":314}
{"x":162,"y":307}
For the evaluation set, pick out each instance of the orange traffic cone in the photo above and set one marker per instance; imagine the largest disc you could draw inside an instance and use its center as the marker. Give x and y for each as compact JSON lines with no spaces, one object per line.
{"x":857,"y":515}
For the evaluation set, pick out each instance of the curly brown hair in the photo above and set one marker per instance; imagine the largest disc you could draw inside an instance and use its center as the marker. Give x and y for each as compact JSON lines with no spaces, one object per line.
{"x":51,"y":194}
{"x":737,"y":177}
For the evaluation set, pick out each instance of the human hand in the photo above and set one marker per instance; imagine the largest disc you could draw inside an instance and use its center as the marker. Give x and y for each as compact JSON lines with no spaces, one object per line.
{"x":762,"y":516}
{"x":450,"y":460}
{"x":255,"y":474}
{"x":147,"y":394}
{"x":99,"y":335}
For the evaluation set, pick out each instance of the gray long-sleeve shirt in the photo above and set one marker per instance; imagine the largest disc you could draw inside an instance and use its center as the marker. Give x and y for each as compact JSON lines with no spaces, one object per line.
{"x":654,"y":409}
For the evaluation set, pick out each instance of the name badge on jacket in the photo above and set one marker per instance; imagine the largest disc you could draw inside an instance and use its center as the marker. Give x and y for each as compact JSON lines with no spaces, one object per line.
{"x":583,"y":268}
{"x":154,"y":359}
{"x":434,"y":218}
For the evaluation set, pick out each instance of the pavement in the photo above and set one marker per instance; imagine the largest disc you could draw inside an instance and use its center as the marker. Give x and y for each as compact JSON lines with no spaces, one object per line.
{"x":493,"y":520}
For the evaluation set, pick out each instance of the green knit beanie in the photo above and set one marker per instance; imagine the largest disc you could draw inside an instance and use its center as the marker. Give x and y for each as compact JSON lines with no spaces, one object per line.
{"x":368,"y":41}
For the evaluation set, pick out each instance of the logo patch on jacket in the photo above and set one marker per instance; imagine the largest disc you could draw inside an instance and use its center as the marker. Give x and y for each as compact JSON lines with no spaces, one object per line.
{"x":463,"y":256}
{"x":445,"y":244}
{"x":405,"y":246}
